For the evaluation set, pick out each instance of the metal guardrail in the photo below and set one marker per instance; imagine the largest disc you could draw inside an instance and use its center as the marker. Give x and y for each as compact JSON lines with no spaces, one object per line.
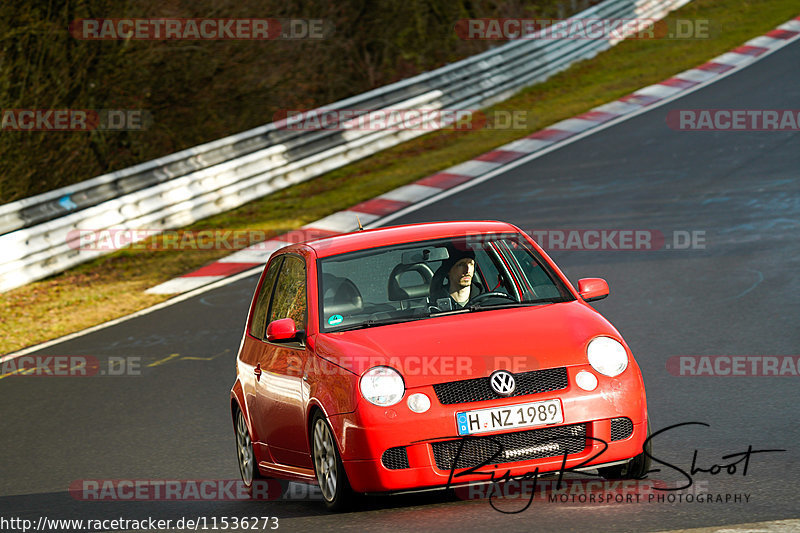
{"x":38,"y":233}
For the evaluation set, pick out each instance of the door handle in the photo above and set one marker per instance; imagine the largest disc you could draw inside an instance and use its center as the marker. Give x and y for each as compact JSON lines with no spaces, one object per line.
{"x":257,"y":372}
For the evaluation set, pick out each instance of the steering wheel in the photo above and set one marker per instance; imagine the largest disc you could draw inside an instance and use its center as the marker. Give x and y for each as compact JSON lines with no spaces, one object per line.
{"x":493,"y":294}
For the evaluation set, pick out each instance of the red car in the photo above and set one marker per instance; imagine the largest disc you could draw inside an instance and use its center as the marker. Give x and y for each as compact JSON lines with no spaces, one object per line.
{"x":430,"y":355}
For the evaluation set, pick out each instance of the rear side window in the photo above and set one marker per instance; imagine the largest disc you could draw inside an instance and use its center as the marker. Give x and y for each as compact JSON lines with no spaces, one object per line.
{"x":258,"y":328}
{"x":289,"y":300}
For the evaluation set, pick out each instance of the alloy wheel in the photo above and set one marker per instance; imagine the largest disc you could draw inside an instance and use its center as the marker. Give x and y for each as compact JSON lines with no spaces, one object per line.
{"x":245,"y":450}
{"x":325,"y":460}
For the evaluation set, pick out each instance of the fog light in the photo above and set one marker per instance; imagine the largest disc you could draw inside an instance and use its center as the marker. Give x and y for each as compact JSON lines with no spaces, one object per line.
{"x":419,"y":403}
{"x":586,"y":380}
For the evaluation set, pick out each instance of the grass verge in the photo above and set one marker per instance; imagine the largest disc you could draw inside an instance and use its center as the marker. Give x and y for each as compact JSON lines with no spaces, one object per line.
{"x":113,"y":286}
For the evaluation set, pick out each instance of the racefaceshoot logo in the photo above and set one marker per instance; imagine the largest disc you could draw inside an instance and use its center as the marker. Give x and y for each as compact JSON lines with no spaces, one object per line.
{"x":516,"y":495}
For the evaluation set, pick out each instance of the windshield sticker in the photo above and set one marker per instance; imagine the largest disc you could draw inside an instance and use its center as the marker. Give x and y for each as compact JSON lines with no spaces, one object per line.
{"x":335,"y":320}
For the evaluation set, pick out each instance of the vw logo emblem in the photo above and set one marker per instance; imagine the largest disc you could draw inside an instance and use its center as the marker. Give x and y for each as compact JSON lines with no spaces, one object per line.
{"x":502,"y":382}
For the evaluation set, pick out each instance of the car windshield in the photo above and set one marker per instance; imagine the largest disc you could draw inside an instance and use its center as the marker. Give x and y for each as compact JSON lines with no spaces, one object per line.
{"x":420,"y":280}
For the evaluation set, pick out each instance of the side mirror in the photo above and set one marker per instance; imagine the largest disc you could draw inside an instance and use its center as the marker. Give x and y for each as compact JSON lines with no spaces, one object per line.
{"x":592,"y":289}
{"x":282,"y":330}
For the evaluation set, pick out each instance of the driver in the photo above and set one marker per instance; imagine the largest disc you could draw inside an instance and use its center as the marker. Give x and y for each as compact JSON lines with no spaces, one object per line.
{"x":460,"y":270}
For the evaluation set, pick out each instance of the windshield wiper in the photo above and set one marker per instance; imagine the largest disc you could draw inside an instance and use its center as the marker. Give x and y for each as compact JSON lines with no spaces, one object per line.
{"x":526,"y":303}
{"x":381,"y":322}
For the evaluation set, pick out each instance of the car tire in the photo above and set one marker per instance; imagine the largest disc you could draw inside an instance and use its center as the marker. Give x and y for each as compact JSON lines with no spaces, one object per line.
{"x":636,"y":468}
{"x":246,"y":458}
{"x":332,"y":479}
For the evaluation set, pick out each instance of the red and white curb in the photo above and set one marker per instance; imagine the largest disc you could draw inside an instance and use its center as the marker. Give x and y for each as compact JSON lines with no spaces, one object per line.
{"x":391,"y":202}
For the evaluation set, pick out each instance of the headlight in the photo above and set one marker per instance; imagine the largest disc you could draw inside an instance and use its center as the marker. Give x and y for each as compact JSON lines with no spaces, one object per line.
{"x":382,"y":386}
{"x":607,"y":356}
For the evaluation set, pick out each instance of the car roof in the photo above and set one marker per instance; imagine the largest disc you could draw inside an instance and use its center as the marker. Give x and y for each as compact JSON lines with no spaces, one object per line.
{"x":373,"y":238}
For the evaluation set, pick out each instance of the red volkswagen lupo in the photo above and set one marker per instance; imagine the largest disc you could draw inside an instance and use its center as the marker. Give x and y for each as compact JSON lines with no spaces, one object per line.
{"x":430,"y":355}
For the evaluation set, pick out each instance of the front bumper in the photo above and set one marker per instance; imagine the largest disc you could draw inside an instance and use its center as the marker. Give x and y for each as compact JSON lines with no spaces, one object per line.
{"x":394,"y":449}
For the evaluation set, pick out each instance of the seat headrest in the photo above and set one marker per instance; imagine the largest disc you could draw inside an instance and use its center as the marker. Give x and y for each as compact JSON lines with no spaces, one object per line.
{"x":341,"y":296}
{"x":421,"y":290}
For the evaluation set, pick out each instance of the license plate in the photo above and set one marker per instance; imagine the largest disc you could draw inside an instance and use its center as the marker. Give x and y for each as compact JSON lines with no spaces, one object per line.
{"x":509,"y":417}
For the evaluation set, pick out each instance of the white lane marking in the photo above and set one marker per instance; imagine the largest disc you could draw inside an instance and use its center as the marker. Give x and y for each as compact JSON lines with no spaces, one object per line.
{"x":574,"y":125}
{"x":526,"y":146}
{"x":343,"y":221}
{"x":618,"y":108}
{"x":660,"y":91}
{"x":410,"y":193}
{"x":735,"y":59}
{"x":696,"y":74}
{"x":472,"y":168}
{"x":182,"y":284}
{"x":792,"y":25}
{"x":257,"y":253}
{"x":763,"y":41}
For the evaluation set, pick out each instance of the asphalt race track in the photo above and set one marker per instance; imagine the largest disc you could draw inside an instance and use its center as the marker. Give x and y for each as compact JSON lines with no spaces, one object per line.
{"x":738,"y":296}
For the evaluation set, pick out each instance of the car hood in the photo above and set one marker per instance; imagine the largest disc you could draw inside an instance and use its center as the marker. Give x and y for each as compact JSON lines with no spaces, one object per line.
{"x":470,"y":345}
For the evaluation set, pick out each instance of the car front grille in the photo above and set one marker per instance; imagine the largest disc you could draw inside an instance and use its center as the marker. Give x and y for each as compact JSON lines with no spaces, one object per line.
{"x":621,"y":428}
{"x":479,"y":390}
{"x":395,"y":458}
{"x":512,"y":447}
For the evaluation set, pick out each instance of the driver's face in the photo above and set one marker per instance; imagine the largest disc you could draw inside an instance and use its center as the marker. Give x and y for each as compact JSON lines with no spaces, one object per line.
{"x":460,"y":274}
